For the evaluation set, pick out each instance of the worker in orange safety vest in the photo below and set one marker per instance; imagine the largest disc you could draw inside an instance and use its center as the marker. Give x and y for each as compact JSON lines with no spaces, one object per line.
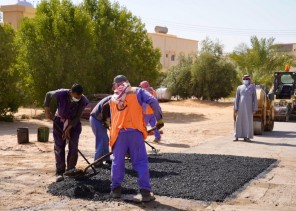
{"x":148,"y":111}
{"x":128,"y":132}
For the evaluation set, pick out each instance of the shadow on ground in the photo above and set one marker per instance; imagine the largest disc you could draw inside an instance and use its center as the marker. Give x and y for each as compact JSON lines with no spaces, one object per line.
{"x":274,"y":144}
{"x":281,"y":134}
{"x":174,"y":145}
{"x":182,"y":118}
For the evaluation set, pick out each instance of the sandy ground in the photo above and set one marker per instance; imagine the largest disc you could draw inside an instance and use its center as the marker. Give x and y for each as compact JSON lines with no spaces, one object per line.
{"x":190,"y":127}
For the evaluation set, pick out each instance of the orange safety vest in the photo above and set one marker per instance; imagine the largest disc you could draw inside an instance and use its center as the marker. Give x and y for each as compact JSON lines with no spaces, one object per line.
{"x":128,"y":115}
{"x":149,"y":110}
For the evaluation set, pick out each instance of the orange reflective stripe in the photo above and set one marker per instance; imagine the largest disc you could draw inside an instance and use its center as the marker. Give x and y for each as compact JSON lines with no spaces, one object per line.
{"x":148,"y":110}
{"x":129,"y":115}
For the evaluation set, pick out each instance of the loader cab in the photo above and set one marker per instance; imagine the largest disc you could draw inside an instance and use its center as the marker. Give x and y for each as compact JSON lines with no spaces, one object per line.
{"x":284,"y":84}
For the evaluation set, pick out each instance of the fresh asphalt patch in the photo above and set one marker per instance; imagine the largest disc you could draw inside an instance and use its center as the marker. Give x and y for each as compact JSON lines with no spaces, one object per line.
{"x":189,"y":176}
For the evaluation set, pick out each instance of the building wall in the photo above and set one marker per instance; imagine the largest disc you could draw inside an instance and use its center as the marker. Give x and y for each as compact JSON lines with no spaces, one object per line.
{"x":12,"y":14}
{"x":171,"y":47}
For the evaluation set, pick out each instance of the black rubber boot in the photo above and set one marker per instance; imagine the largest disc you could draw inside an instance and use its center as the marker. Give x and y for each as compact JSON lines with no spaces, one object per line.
{"x":147,"y":195}
{"x":116,"y":192}
{"x":59,"y":177}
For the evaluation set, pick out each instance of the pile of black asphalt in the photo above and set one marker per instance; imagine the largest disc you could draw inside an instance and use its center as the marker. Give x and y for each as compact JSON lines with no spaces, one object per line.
{"x":189,"y":176}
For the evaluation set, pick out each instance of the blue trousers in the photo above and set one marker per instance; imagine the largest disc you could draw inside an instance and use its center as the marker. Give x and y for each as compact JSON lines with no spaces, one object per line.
{"x":102,"y":139}
{"x":130,"y":140}
{"x":150,"y":119}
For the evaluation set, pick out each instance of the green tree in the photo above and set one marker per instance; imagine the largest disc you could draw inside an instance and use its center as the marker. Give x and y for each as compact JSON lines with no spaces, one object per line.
{"x":212,"y":77}
{"x":56,"y":48}
{"x":178,"y":79}
{"x":260,"y":60}
{"x":212,"y":47}
{"x":9,"y":94}
{"x":208,"y":76}
{"x":89,"y":44}
{"x":122,"y":45}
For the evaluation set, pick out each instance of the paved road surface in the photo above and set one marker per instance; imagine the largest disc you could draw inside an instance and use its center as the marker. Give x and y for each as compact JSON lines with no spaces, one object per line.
{"x":277,"y":189}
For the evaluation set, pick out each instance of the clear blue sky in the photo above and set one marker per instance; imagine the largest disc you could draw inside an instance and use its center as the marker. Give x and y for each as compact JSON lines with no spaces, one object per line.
{"x":230,"y":21}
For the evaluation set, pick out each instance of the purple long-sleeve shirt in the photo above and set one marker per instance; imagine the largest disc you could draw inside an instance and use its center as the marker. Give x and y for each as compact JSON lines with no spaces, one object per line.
{"x":65,"y":108}
{"x":145,"y":97}
{"x":97,"y":111}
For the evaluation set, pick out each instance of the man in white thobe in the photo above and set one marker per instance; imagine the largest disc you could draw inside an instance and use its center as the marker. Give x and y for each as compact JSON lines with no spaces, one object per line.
{"x":245,"y":105}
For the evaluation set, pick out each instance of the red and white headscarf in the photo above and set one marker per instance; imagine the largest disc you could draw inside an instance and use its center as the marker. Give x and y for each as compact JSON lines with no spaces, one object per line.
{"x":120,"y":91}
{"x":145,"y":85}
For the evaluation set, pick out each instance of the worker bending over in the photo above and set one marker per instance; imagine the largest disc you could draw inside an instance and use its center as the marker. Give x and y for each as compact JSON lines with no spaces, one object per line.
{"x":66,"y":125}
{"x":148,"y":111}
{"x":97,"y":120}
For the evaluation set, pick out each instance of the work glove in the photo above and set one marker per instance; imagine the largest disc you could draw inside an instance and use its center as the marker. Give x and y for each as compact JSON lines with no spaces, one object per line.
{"x":159,"y":124}
{"x":66,"y":133}
{"x":48,"y":114}
{"x":105,"y":124}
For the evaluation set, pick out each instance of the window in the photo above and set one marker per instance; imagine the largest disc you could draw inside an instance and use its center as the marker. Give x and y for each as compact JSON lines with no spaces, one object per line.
{"x":173,"y":58}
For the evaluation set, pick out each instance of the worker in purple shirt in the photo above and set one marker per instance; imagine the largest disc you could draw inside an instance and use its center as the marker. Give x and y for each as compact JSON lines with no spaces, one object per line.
{"x":128,"y":132}
{"x":98,"y":125}
{"x":66,"y":125}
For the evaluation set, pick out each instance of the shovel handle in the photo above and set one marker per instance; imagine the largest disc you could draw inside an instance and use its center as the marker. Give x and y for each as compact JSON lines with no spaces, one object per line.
{"x":98,"y":161}
{"x":110,"y":153}
{"x":152,"y":147}
{"x":152,"y":129}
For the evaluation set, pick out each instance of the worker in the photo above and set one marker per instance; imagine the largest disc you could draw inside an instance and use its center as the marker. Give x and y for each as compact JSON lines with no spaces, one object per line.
{"x":128,"y":132}
{"x":148,"y":112}
{"x":245,"y":105}
{"x":66,"y":125}
{"x":97,"y":120}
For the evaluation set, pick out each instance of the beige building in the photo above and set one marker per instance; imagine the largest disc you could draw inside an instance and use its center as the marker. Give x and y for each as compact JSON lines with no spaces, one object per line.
{"x":290,"y":49}
{"x":12,"y":14}
{"x":171,"y":46}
